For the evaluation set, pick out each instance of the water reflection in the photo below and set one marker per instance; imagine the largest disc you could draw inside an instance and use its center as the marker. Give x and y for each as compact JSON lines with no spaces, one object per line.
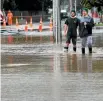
{"x":86,"y":64}
{"x":10,"y":39}
{"x":52,"y":63}
{"x":65,"y":62}
{"x":70,"y":63}
{"x":21,"y":39}
{"x":10,"y":59}
{"x":31,"y":38}
{"x":79,"y":63}
{"x":26,"y":38}
{"x":56,"y":78}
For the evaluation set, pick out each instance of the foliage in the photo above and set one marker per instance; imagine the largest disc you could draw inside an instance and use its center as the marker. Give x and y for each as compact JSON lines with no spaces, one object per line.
{"x":27,"y":5}
{"x":92,"y":3}
{"x":7,"y":5}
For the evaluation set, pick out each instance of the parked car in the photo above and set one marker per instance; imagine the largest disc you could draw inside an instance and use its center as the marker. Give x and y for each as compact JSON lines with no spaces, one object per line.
{"x":63,"y":14}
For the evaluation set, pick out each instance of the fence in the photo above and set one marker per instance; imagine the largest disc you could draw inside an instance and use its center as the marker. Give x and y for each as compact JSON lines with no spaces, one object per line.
{"x":25,"y":16}
{"x":35,"y":19}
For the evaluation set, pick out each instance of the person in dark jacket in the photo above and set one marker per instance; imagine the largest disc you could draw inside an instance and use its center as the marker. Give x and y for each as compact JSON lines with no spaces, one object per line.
{"x":85,"y":30}
{"x":70,"y":30}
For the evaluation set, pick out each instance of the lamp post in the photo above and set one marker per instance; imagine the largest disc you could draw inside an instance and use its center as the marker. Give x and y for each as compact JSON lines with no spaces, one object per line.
{"x":71,"y":5}
{"x":43,"y":9}
{"x":57,"y":21}
{"x":75,"y":5}
{"x":2,"y":1}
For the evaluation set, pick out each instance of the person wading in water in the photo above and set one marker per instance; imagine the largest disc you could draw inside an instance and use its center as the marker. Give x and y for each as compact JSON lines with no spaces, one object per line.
{"x":70,"y":30}
{"x":85,"y":30}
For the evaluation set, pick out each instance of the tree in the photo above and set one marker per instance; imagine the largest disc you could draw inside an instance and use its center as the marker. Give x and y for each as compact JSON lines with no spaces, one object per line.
{"x":9,"y":5}
{"x":96,"y":3}
{"x":27,"y":5}
{"x":92,"y":3}
{"x":33,"y":5}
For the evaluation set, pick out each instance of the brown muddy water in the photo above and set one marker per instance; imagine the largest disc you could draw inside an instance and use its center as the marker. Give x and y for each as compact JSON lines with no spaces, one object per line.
{"x":33,"y":68}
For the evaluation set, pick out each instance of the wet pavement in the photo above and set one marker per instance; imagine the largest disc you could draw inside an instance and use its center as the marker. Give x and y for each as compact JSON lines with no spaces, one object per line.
{"x":33,"y":68}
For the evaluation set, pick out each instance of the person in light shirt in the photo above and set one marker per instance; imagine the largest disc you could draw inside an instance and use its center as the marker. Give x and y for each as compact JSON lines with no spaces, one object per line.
{"x":85,"y":30}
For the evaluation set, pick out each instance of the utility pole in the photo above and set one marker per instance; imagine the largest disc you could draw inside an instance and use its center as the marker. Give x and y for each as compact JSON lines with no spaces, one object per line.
{"x":71,"y":5}
{"x":75,"y":5}
{"x":43,"y":9}
{"x":57,"y":21}
{"x":1,"y":2}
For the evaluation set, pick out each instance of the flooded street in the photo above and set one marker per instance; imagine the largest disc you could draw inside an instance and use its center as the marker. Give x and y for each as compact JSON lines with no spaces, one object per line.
{"x":33,"y":68}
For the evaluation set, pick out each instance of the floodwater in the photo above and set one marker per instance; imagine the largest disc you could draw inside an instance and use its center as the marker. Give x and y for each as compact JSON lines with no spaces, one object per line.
{"x":33,"y":68}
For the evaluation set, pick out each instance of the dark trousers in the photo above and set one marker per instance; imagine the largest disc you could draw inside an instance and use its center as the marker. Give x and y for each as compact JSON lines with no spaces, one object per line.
{"x":74,"y":40}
